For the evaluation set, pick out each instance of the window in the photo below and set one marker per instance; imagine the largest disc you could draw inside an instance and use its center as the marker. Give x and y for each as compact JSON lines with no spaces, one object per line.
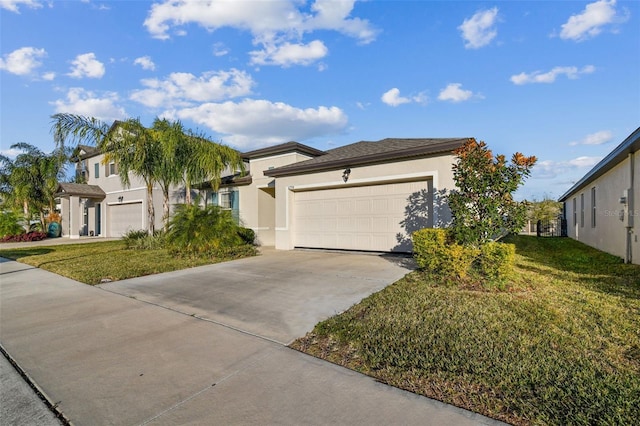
{"x":575,"y":212}
{"x":581,"y":210}
{"x":593,"y":207}
{"x":227,"y":200}
{"x":224,"y":200}
{"x":111,"y":169}
{"x":96,"y":170}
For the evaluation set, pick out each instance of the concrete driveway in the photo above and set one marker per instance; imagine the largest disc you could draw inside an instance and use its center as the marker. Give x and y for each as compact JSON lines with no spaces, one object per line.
{"x":105,"y":359}
{"x":279,"y":295}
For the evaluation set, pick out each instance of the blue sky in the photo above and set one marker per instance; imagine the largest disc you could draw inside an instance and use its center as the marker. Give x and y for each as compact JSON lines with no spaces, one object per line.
{"x":556,"y":79}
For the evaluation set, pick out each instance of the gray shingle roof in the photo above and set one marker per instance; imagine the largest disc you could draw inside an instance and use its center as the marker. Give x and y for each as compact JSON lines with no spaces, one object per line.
{"x":282,"y":148}
{"x":367,"y":152}
{"x":80,"y":190}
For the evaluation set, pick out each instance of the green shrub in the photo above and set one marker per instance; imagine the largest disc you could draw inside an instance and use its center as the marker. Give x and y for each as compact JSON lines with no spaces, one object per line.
{"x":141,"y":240}
{"x":135,"y":235}
{"x":195,"y":230}
{"x":248,"y":235}
{"x":496,"y":260}
{"x":10,"y":224}
{"x":436,"y":253}
{"x":428,"y":247}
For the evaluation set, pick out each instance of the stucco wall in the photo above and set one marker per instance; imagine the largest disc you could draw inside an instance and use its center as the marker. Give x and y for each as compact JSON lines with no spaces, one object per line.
{"x":257,"y":206}
{"x":437,"y":169}
{"x":136,"y":191}
{"x":611,"y":217}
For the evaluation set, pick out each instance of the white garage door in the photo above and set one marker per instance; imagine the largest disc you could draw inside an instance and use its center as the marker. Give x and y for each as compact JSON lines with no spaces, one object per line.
{"x":124,"y":218}
{"x":356,"y":218}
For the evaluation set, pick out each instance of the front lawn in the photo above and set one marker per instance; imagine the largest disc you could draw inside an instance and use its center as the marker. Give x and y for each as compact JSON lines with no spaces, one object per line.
{"x":561,"y":347}
{"x":91,"y":263}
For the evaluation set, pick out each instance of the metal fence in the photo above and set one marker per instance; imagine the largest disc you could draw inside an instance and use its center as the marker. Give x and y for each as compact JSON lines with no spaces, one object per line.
{"x":551,"y":228}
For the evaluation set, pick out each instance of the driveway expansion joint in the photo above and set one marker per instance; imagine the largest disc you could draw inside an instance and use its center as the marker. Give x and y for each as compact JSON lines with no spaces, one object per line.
{"x":53,"y":407}
{"x":196,"y":316}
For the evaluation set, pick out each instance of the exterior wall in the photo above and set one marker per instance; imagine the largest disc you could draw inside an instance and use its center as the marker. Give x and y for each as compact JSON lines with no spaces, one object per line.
{"x":117,"y":194}
{"x":436,"y":169}
{"x":612,"y":220}
{"x":635,"y":211}
{"x":257,"y":201}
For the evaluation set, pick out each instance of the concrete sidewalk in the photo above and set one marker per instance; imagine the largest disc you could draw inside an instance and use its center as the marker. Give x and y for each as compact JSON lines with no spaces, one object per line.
{"x":104,"y":358}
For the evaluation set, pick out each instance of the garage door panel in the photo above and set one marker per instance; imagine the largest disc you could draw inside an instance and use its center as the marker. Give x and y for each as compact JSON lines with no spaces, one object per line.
{"x":124,"y":218}
{"x":354,"y":218}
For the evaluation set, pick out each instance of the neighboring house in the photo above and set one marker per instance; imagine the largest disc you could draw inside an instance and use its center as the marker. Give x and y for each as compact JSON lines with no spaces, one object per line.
{"x":102,"y":206}
{"x":363,"y":196}
{"x":603,"y":208}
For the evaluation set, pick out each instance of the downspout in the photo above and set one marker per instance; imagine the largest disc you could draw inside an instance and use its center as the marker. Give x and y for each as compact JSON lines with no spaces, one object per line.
{"x":631,"y":212}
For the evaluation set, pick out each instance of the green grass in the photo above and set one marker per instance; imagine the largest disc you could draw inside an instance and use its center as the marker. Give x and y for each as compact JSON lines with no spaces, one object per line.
{"x":92,"y":262}
{"x":561,"y":347}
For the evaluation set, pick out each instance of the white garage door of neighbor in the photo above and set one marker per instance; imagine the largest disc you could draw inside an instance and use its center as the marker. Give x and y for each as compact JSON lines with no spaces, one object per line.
{"x":124,"y":217}
{"x":354,"y":218}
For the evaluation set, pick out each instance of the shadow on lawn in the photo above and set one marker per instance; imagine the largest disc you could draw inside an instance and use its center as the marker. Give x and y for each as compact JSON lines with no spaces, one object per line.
{"x":604,"y":272}
{"x":18,"y":254}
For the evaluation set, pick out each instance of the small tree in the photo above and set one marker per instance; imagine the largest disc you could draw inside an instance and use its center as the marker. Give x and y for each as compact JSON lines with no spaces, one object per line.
{"x":482,"y":206}
{"x":545,"y":210}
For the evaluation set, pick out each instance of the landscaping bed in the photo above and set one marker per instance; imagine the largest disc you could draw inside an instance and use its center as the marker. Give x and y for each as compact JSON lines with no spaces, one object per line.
{"x":560,"y":346}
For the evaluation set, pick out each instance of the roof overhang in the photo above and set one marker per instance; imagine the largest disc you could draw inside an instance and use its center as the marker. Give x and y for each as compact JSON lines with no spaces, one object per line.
{"x":446,"y":147}
{"x":289,"y":147}
{"x":80,"y":190}
{"x":622,"y":151}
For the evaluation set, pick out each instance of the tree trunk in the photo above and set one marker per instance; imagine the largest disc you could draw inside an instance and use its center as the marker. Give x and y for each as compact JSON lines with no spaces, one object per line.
{"x":151,"y":216}
{"x":165,"y":208}
{"x":27,"y":218}
{"x":187,"y":193}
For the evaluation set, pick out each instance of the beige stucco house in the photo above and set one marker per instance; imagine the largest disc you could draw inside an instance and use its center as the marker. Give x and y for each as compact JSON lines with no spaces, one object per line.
{"x":362,"y":196}
{"x":603,"y":208}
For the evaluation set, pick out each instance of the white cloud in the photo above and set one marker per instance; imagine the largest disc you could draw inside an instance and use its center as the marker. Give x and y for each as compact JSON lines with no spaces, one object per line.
{"x":22,"y":61}
{"x":392,"y":98}
{"x":86,"y":65}
{"x":145,"y":62}
{"x":13,"y":5}
{"x":11,"y":152}
{"x":591,"y":21}
{"x":597,"y":138}
{"x":253,"y":123}
{"x":454,"y":93}
{"x":479,"y":30}
{"x":276,"y":26}
{"x":334,"y":15}
{"x":550,"y":76}
{"x":49,"y":76}
{"x":219,"y":49}
{"x":550,"y":169}
{"x":87,"y":103}
{"x":287,"y":54}
{"x":183,"y":89}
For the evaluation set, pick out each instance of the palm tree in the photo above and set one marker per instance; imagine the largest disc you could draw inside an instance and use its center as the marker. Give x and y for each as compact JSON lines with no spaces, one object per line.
{"x":137,"y":151}
{"x":128,"y":143}
{"x":29,"y":182}
{"x":205,"y":161}
{"x":166,"y":154}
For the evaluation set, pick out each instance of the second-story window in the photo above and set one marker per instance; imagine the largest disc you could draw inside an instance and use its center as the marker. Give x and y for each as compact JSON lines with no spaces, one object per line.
{"x":96,"y":170}
{"x":111,"y":169}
